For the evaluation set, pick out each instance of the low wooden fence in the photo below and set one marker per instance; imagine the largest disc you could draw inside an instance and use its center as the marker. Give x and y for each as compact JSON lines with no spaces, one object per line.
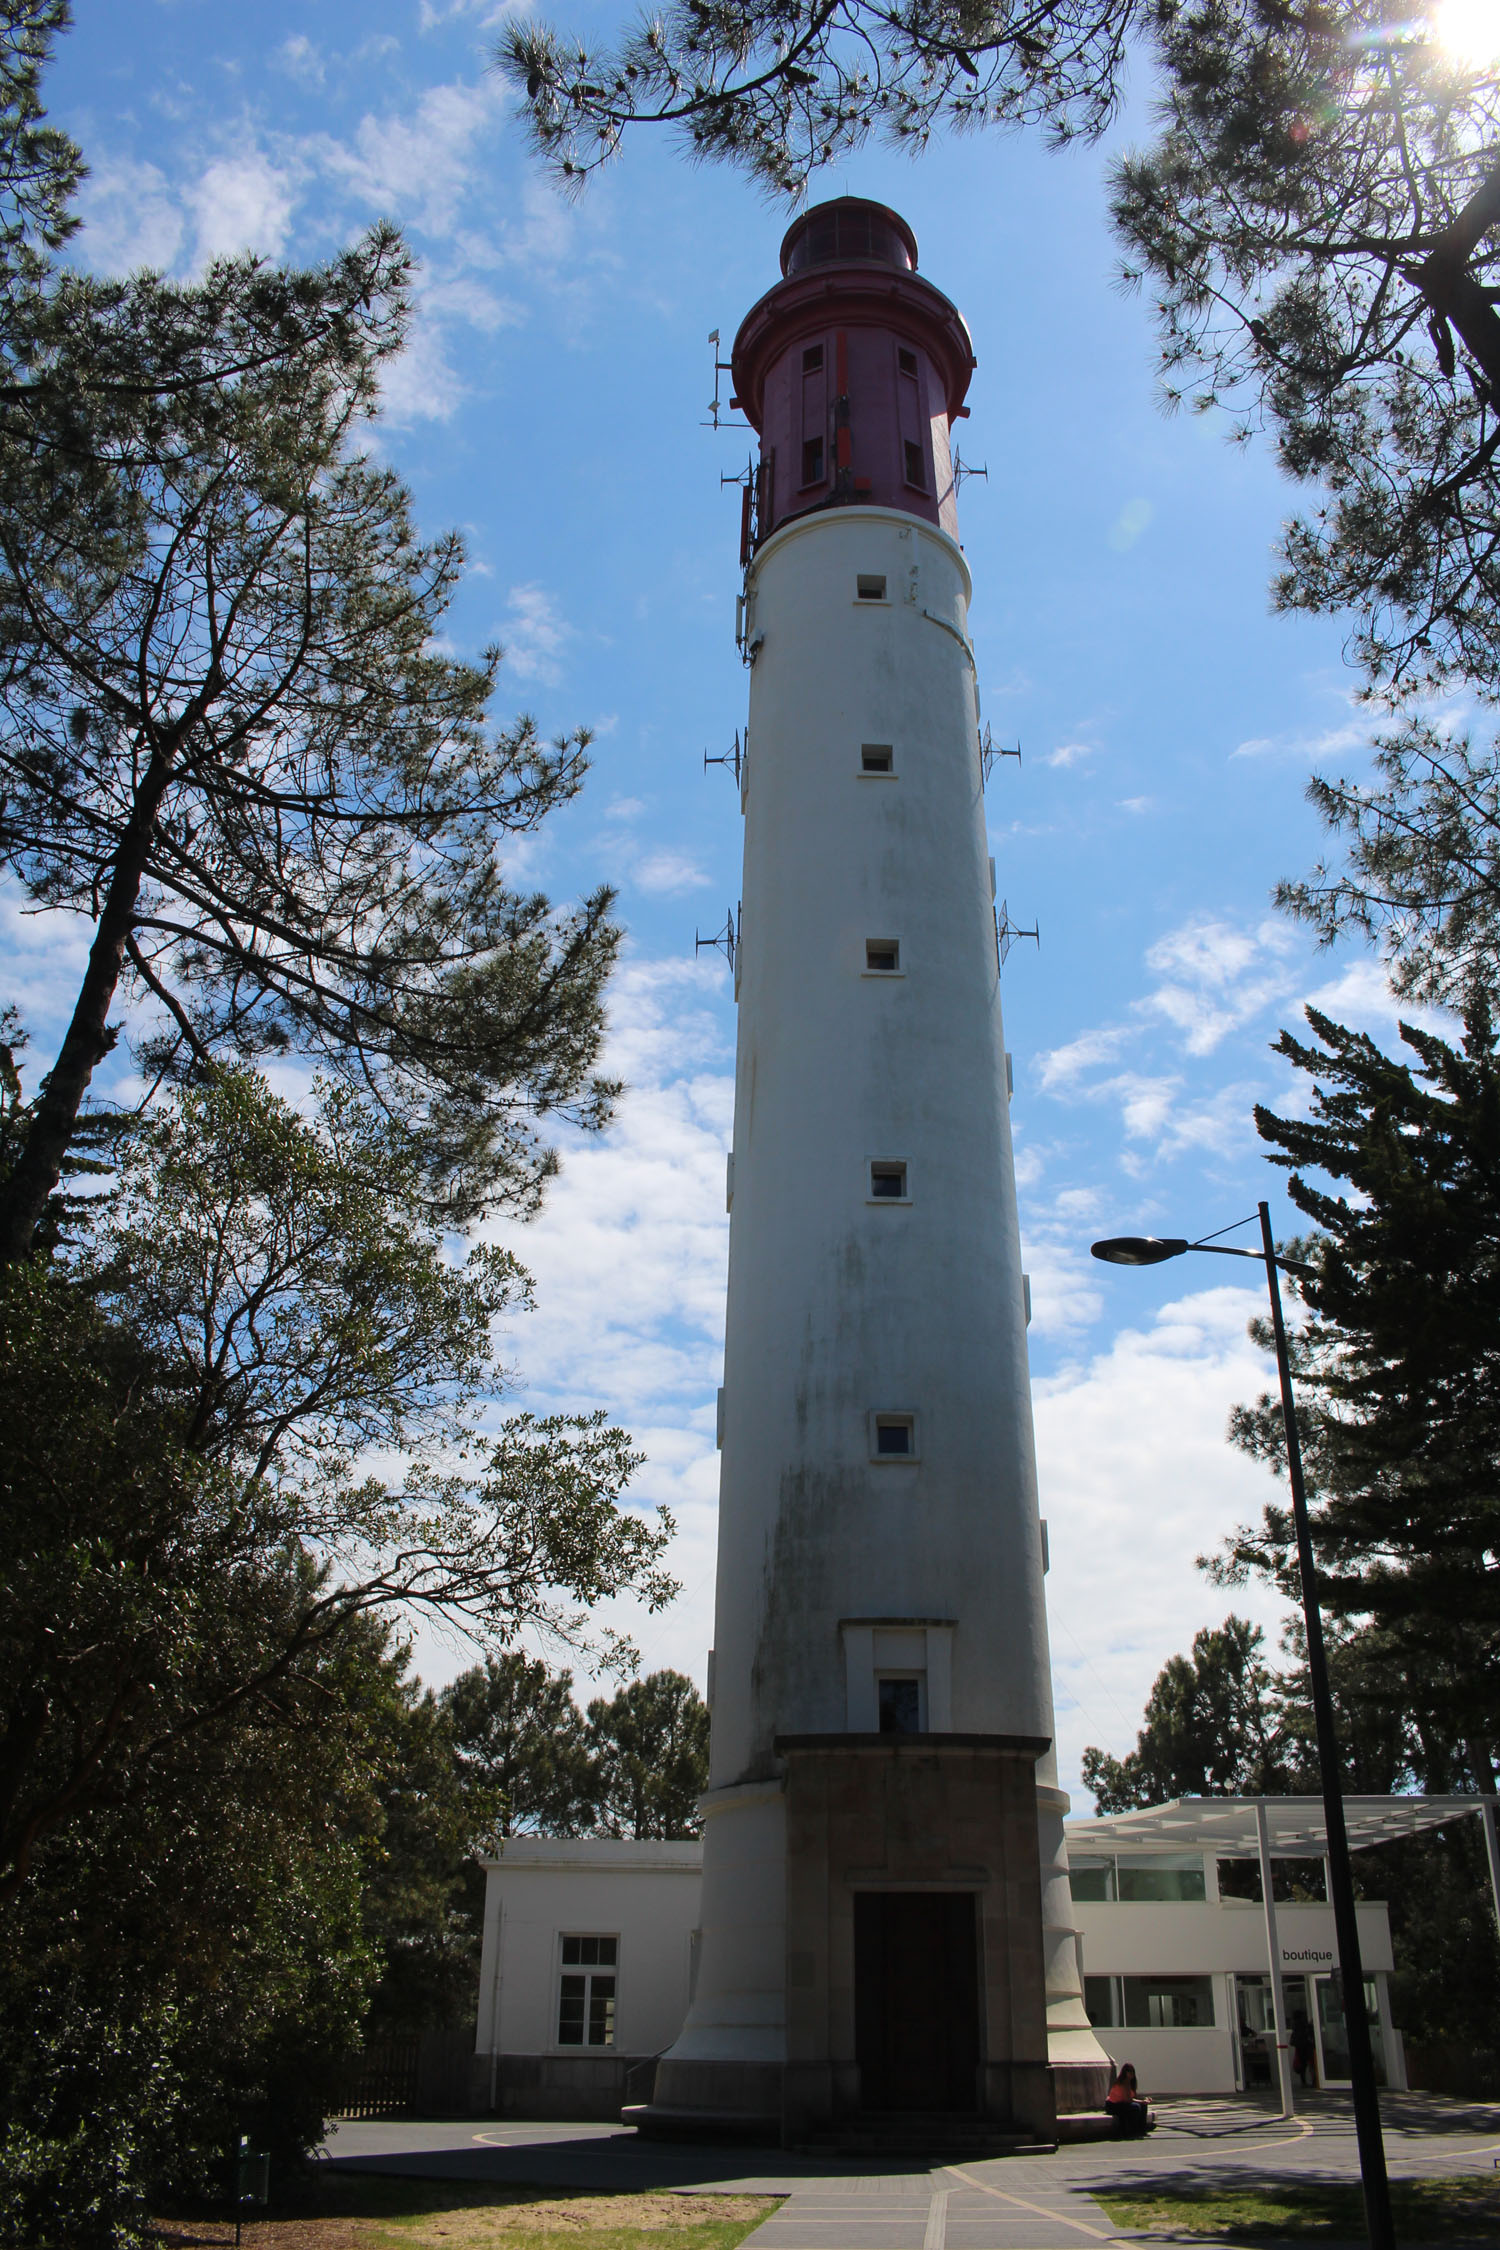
{"x":427,"y":2075}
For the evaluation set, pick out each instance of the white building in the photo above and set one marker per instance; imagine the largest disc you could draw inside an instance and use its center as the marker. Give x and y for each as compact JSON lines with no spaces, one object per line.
{"x":591,"y":1950}
{"x":586,"y":1971}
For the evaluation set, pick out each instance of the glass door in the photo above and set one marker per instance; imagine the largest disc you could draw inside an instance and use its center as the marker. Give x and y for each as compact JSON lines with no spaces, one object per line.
{"x":1333,"y":2036}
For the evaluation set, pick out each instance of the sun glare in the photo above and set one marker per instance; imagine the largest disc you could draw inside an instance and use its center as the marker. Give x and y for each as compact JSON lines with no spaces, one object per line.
{"x":1469,"y":29}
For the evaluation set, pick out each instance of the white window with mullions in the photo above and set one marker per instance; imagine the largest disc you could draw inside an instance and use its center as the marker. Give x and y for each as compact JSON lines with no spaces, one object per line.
{"x":586,"y":1991}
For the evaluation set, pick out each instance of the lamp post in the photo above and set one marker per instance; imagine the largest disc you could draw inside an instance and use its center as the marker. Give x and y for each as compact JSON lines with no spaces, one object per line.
{"x":1151,"y":1250}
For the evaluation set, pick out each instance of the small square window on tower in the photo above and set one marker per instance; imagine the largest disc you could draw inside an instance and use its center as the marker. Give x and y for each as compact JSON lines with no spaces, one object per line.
{"x":869,"y":589}
{"x":915,"y":468}
{"x":876,"y":757}
{"x":812,"y":359}
{"x":899,"y":1700}
{"x":893,"y":1437}
{"x":882,"y":957}
{"x":906,"y":361}
{"x":812,"y":461}
{"x":888,"y":1183}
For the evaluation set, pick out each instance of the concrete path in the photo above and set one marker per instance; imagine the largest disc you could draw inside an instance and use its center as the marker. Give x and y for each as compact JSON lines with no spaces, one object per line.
{"x":956,"y":2208}
{"x":1002,"y":2203}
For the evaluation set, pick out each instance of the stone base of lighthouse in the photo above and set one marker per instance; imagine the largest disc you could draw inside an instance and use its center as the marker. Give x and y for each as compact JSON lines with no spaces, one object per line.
{"x":873,"y":1949}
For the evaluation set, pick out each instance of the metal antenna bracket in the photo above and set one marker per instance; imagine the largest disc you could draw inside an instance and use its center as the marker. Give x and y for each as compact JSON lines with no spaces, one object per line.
{"x":1007,"y":932}
{"x":725,"y":941}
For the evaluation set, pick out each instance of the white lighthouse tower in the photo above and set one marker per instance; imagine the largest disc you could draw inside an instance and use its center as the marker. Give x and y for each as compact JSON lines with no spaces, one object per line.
{"x":886,"y":1922}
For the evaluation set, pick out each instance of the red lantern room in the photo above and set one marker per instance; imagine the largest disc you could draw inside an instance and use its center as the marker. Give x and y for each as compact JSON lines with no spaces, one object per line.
{"x":852,"y":370}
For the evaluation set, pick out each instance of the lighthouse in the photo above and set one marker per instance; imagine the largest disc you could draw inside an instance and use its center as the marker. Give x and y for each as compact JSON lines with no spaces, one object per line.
{"x":886,"y":1935}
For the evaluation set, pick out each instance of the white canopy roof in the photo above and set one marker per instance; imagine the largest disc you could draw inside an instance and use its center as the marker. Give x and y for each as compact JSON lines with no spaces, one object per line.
{"x":1295,"y":1825}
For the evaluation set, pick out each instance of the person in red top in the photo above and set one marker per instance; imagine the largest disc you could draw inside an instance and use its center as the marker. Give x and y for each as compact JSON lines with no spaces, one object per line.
{"x":1126,"y":2106}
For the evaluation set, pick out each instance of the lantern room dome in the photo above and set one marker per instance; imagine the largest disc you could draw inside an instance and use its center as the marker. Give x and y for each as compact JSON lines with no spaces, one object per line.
{"x":848,"y":231}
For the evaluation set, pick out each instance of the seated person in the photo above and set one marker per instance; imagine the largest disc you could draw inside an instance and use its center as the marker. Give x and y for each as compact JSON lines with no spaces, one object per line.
{"x":1126,"y":2106}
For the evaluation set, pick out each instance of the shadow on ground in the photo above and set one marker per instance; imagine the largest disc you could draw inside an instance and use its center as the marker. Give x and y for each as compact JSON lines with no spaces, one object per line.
{"x":620,"y":2163}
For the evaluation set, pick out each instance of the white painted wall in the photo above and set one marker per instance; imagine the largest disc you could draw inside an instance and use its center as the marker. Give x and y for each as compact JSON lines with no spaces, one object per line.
{"x":840,"y":1306}
{"x":1184,"y":1937}
{"x":646,"y":1894}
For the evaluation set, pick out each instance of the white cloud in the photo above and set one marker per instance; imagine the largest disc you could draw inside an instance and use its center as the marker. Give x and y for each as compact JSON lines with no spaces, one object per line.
{"x":1129,"y":524}
{"x":668,"y":873}
{"x":630,"y":1257}
{"x":300,"y":59}
{"x":1217,"y":978}
{"x":459,"y":297}
{"x":1351,"y":734}
{"x":535,"y":634}
{"x":1133,"y":804}
{"x":1068,"y":754}
{"x":44,"y":955}
{"x":1062,"y":1067}
{"x":1136,"y":1481}
{"x":421,"y":383}
{"x":241,"y":202}
{"x":131,"y":218}
{"x":1214,"y":978}
{"x":421,"y":165}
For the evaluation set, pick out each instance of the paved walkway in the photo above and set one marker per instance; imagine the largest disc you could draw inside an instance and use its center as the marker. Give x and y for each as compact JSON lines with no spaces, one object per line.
{"x":999,"y":2203}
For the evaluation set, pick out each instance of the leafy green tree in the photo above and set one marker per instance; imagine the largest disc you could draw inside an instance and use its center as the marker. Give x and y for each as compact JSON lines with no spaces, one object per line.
{"x":187,"y":1959}
{"x":1397,"y":1362}
{"x":1213,"y":1728}
{"x":421,"y":1817}
{"x":288,"y":1269}
{"x":518,"y":1734}
{"x":143,"y":1594}
{"x":649,"y":1746}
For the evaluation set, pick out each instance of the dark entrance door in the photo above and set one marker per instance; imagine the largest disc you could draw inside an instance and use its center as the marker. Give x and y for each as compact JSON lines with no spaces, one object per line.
{"x":916,"y":1999}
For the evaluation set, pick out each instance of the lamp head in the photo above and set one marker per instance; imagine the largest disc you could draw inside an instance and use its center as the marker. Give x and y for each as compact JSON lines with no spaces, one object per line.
{"x":1139,"y":1249}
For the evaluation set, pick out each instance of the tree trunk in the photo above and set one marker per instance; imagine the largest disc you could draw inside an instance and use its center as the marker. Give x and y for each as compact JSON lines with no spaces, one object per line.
{"x":1450,"y":288}
{"x":23,"y":1205}
{"x":1481,"y":1764}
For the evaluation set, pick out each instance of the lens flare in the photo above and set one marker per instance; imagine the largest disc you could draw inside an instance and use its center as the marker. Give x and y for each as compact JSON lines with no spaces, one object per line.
{"x":1469,"y":29}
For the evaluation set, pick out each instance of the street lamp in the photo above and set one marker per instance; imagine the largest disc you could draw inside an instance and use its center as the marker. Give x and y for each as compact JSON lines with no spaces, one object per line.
{"x":1153,"y":1250}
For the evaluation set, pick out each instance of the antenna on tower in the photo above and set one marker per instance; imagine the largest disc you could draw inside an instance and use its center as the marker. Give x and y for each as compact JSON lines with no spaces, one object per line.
{"x":961,"y":470}
{"x":725,"y":941}
{"x":734,"y":759}
{"x":988,"y":753}
{"x":716,"y":405}
{"x":1007,"y":932}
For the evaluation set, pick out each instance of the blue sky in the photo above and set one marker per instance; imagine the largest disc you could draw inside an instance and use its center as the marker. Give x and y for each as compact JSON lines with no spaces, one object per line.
{"x":552,"y":403}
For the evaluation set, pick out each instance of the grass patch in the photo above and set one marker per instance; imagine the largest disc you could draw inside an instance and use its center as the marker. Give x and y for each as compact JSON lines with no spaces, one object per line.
{"x":376,"y":2211}
{"x":1444,"y":2210}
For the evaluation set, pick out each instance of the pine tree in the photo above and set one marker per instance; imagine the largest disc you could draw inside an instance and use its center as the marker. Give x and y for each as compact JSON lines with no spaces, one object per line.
{"x":782,"y":90}
{"x":1398,"y":1363}
{"x":1212,"y":1728}
{"x":649,"y":1746}
{"x":228,"y":738}
{"x":519,"y":1734}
